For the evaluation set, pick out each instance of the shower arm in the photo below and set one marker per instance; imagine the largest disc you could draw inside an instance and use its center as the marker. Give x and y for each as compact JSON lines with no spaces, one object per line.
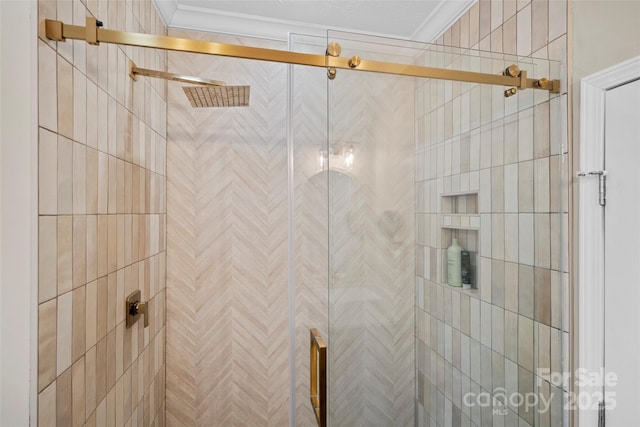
{"x":135,"y":71}
{"x":93,"y":33}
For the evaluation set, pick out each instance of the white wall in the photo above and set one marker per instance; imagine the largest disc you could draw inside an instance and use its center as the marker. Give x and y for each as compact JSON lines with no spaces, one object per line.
{"x":605,"y":33}
{"x":18,"y":206}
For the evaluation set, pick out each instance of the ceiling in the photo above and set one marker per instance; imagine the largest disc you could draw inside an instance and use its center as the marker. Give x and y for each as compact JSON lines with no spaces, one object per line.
{"x":422,"y":20}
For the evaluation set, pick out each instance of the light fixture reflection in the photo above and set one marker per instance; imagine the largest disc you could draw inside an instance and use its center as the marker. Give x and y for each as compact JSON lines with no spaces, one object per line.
{"x":339,"y":156}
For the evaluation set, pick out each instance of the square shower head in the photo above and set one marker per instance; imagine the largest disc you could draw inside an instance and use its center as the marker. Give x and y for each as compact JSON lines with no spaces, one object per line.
{"x":217,"y":96}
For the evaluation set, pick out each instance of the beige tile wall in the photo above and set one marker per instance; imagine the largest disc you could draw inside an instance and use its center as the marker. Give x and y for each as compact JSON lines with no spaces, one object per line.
{"x":102,"y":222}
{"x":511,"y":153}
{"x":228,"y":314}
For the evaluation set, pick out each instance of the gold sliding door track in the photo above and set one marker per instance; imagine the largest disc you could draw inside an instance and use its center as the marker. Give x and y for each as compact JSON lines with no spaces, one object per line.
{"x":93,"y":33}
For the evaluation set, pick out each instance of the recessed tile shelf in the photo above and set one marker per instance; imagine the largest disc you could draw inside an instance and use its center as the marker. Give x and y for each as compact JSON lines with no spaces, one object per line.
{"x":461,"y":221}
{"x":460,"y":218}
{"x":459,"y":193}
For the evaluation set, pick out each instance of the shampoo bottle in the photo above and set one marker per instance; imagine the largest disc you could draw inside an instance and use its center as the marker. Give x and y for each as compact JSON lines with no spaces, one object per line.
{"x":454,"y":272}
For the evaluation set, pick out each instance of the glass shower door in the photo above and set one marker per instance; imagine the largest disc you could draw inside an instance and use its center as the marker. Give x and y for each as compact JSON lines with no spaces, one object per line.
{"x":387,"y":171}
{"x":369,"y":162}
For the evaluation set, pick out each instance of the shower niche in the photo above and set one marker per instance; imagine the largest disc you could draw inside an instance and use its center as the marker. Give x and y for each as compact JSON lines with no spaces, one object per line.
{"x":460,"y":219}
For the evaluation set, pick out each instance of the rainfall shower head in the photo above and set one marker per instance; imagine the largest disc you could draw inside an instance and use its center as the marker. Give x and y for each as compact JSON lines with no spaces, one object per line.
{"x":208,"y":93}
{"x":217,"y":96}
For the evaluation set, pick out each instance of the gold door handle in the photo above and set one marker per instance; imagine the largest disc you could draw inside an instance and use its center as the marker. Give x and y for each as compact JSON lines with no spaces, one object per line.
{"x":318,"y":374}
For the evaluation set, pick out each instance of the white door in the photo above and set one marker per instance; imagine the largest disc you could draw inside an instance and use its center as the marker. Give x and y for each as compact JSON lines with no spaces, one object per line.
{"x":622,"y":253}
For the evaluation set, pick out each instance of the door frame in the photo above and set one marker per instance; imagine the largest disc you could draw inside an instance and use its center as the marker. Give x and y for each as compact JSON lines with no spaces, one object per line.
{"x":591,"y":287}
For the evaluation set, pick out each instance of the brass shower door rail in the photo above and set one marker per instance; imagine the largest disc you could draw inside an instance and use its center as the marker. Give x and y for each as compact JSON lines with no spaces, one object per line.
{"x":93,"y":33}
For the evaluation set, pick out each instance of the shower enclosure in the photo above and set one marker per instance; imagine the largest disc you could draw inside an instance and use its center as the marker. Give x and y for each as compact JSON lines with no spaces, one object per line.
{"x":385,"y":178}
{"x":329,"y":205}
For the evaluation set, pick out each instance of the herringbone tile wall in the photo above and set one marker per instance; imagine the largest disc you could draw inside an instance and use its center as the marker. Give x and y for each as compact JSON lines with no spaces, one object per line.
{"x":228,"y":314}
{"x":371,"y":247}
{"x":228,"y":334}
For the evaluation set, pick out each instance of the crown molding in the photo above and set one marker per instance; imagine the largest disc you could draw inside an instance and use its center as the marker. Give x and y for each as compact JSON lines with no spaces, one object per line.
{"x":175,"y":15}
{"x":441,"y":19}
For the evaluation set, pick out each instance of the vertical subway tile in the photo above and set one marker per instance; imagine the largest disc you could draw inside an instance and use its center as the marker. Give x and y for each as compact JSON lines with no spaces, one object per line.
{"x":103,"y":182}
{"x":92,"y":181}
{"x":101,"y":370}
{"x":65,"y":253}
{"x":64,"y":335}
{"x":508,"y":8}
{"x":542,"y":278}
{"x":474,"y":25}
{"x":47,"y":87}
{"x":78,"y":323}
{"x":111,"y":125}
{"x":526,"y":238}
{"x":464,"y":30}
{"x":511,"y":286}
{"x":64,"y":399}
{"x":120,"y":241}
{"x":511,"y":335}
{"x":103,"y":119}
{"x":65,"y":176}
{"x":496,"y":14}
{"x":111,"y":359}
{"x":78,"y":393}
{"x":511,"y":242}
{"x":543,"y":347}
{"x":526,"y":291}
{"x":485,"y":18}
{"x":524,"y":31}
{"x":120,"y":186}
{"x":90,"y":380}
{"x":557,"y":303}
{"x":557,"y":19}
{"x":497,"y":282}
{"x":556,"y":237}
{"x":121,"y":123}
{"x":541,"y":185}
{"x":112,"y":243}
{"x":91,"y":310}
{"x":47,"y":258}
{"x":541,"y":133}
{"x":511,"y":139}
{"x":497,"y":189}
{"x":65,"y":97}
{"x":92,"y":248}
{"x":497,"y":329}
{"x":79,"y":250}
{"x":79,"y":106}
{"x":92,"y":114}
{"x":112,"y":302}
{"x":525,"y":388}
{"x":511,"y":383}
{"x":79,"y":48}
{"x":497,"y":236}
{"x":47,"y":339}
{"x":102,"y":305}
{"x":509,"y":36}
{"x":556,"y":183}
{"x":525,"y":343}
{"x":79,"y":178}
{"x":539,"y":24}
{"x":542,"y":241}
{"x":47,"y":406}
{"x":525,"y":134}
{"x":102,"y":245}
{"x":47,"y":172}
{"x":525,"y":187}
